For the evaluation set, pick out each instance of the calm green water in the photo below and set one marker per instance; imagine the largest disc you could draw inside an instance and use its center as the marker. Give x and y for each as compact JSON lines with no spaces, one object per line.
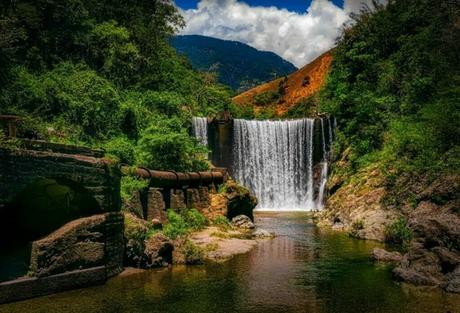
{"x":302,"y":270}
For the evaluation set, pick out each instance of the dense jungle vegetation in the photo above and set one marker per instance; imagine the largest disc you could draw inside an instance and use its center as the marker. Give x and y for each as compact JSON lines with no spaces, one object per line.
{"x":394,"y":87}
{"x":102,"y":74}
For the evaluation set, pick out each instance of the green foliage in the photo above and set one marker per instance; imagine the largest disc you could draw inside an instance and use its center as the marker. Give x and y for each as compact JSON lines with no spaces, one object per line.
{"x":193,"y":254}
{"x":105,"y":76}
{"x":244,"y":111}
{"x":166,"y":145}
{"x":267,"y":97}
{"x":304,"y":108}
{"x":194,"y":219}
{"x":398,"y":233}
{"x":183,"y":223}
{"x":393,"y":86}
{"x":176,"y":226}
{"x":122,"y":148}
{"x":130,"y":185}
{"x":222,"y":222}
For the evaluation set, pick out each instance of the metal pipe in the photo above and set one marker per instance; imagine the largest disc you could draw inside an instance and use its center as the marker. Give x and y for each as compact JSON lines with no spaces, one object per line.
{"x":176,"y":179}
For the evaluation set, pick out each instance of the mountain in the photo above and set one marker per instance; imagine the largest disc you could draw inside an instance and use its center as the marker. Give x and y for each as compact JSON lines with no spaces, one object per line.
{"x":238,"y":65}
{"x":285,"y":93}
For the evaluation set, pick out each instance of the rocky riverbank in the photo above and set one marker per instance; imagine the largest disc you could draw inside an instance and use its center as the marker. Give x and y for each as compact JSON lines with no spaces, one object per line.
{"x":422,"y":214}
{"x":190,"y":236}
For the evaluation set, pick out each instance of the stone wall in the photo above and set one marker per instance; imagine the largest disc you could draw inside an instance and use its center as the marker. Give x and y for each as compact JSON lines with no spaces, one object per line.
{"x":156,"y":201}
{"x":82,"y":252}
{"x":19,"y":168}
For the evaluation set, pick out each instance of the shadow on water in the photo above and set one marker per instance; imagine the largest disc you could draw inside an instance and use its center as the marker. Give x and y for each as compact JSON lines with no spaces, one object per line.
{"x":304,"y":269}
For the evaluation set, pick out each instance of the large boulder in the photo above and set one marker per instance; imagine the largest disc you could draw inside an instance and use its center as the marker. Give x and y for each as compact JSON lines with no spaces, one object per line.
{"x":433,"y":257}
{"x":231,"y":201}
{"x":243,"y":222}
{"x":76,"y":245}
{"x":381,"y":255}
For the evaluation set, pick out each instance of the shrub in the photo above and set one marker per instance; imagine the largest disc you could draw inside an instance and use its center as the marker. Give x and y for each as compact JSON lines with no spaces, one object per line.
{"x":193,"y":254}
{"x":130,"y":185}
{"x":122,"y":148}
{"x":176,"y":226}
{"x":194,"y":219}
{"x":222,"y":222}
{"x":267,"y":97}
{"x":398,"y":233}
{"x":357,"y":225}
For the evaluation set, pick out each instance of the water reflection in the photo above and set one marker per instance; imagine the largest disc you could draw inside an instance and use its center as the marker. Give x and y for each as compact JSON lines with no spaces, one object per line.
{"x":304,"y":269}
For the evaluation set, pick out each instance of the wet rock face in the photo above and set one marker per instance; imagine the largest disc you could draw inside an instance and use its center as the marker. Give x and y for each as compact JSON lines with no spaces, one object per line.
{"x":434,"y":253}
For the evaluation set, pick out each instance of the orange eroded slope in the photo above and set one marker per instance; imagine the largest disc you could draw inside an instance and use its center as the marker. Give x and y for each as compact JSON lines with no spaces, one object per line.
{"x":298,"y":86}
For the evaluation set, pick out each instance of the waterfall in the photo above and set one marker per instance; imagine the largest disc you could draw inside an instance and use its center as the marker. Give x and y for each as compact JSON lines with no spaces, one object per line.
{"x":200,"y":129}
{"x":275,"y":160}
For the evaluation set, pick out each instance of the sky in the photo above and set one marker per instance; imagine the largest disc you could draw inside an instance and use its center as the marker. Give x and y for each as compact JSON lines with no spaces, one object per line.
{"x":297,"y":30}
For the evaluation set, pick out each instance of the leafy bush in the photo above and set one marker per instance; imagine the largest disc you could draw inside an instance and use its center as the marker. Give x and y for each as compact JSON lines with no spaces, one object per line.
{"x":166,"y":145}
{"x":122,"y":148}
{"x":398,"y":232}
{"x":176,"y":225}
{"x":194,"y":219}
{"x":193,"y":254}
{"x":267,"y":97}
{"x":130,"y":185}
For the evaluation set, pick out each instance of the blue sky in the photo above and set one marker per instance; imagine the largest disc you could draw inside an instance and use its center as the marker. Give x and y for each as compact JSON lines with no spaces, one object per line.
{"x":292,"y":5}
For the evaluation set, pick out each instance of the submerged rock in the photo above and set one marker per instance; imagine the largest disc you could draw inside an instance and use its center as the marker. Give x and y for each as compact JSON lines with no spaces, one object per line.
{"x":242,"y":221}
{"x":381,"y":255}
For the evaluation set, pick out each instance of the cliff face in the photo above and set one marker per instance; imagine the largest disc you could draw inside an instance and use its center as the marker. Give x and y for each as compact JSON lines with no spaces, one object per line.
{"x":368,"y":205}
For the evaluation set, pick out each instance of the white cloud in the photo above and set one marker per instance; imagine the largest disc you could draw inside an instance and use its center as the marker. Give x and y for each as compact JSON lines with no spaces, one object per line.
{"x":298,"y":38}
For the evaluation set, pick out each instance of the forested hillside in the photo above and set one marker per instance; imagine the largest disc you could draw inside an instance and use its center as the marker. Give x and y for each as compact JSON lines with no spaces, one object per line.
{"x":102,"y":74}
{"x":237,"y":65}
{"x":394,"y":87}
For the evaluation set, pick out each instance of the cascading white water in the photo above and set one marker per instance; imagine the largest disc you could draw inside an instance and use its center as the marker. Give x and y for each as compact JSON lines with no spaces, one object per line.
{"x":324,"y":166}
{"x":275,"y":160}
{"x":200,"y":129}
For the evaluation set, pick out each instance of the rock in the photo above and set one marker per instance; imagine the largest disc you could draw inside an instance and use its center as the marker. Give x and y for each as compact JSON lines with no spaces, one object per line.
{"x":382,"y":255}
{"x":242,"y":221}
{"x":339,"y":226}
{"x":420,"y":266}
{"x":78,"y":244}
{"x":261,"y":233}
{"x":231,"y":201}
{"x":158,"y":251}
{"x":452,"y":281}
{"x":240,"y":200}
{"x":156,"y":224}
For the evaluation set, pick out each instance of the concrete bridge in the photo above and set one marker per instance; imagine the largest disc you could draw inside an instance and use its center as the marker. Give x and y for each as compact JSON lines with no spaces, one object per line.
{"x":61,"y":227}
{"x":60,"y":219}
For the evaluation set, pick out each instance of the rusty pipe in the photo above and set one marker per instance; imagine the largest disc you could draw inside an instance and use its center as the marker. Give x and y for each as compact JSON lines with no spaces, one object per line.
{"x":176,"y":179}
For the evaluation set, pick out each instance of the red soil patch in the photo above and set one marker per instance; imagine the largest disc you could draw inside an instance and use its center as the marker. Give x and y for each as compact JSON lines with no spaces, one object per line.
{"x":301,"y":84}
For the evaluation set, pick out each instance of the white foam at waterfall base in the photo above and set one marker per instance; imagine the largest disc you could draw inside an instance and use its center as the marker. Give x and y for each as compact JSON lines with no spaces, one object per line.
{"x":274,"y":159}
